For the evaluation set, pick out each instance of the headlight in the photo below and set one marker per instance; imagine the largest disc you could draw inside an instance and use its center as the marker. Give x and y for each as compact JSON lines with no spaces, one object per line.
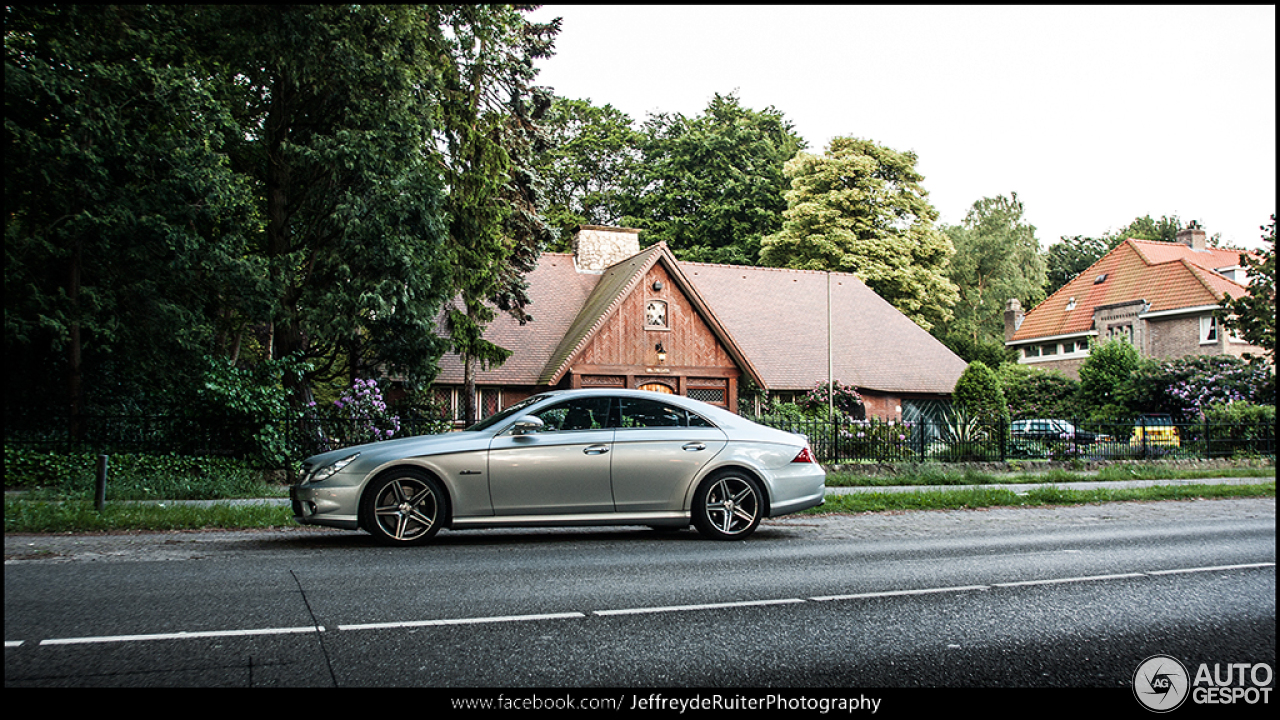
{"x":328,"y":470}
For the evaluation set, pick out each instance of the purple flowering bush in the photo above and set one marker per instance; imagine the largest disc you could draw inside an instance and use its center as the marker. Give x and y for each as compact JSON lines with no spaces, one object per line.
{"x":879,"y":439}
{"x":1184,"y":388}
{"x":363,"y":415}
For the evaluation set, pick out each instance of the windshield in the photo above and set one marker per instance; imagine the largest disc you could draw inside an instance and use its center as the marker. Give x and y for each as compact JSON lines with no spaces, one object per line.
{"x":498,"y":418}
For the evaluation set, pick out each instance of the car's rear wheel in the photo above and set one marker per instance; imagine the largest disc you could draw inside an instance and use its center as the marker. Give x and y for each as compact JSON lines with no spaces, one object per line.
{"x":403,"y":507}
{"x":728,"y":506}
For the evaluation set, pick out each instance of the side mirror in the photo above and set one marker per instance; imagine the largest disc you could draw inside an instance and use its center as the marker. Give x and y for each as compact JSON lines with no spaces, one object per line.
{"x":525,"y":425}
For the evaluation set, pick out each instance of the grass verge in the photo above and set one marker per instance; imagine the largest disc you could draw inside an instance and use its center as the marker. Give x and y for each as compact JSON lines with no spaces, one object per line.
{"x":942,"y":475}
{"x":984,"y":497}
{"x":77,"y":516}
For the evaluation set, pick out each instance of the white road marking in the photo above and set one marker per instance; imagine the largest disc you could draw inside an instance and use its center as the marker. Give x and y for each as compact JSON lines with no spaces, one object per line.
{"x":1062,"y":581}
{"x":1211,"y":569}
{"x":623,"y":611}
{"x":461,"y":621}
{"x":704,"y":606}
{"x":181,"y":635}
{"x":900,"y":593}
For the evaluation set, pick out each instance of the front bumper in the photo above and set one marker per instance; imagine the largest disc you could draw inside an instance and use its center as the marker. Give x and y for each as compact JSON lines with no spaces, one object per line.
{"x":325,"y":506}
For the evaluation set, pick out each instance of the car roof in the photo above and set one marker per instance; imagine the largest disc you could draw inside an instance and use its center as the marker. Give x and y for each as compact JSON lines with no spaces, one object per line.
{"x":720,"y":415}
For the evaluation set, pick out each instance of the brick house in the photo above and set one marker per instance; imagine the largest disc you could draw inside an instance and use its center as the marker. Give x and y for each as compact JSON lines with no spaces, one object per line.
{"x":1161,"y":296}
{"x":612,"y":315}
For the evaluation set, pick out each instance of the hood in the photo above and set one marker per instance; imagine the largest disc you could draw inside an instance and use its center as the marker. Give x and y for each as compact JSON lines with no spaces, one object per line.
{"x":404,"y":447}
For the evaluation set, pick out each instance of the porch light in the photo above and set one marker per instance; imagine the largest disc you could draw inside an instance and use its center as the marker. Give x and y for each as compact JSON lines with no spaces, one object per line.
{"x":662,"y":353}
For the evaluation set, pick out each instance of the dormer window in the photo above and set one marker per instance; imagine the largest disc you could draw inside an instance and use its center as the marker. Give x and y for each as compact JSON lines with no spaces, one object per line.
{"x":1100,"y":279}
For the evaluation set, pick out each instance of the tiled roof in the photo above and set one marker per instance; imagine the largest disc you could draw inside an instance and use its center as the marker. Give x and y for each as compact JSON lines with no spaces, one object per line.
{"x":773,"y":321}
{"x":1166,"y":275}
{"x":779,"y":317}
{"x":557,"y":291}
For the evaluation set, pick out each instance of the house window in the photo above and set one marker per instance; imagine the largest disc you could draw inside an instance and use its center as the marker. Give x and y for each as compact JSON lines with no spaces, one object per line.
{"x":1031,"y":351}
{"x":446,"y":400}
{"x":655,"y":315}
{"x":490,"y":402}
{"x":714,"y":396}
{"x":709,"y":390}
{"x":1123,"y":331}
{"x":1208,"y":329}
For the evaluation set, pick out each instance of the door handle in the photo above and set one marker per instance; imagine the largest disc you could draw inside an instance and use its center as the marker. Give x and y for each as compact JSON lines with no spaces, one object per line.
{"x":694,"y":446}
{"x":595,"y":449}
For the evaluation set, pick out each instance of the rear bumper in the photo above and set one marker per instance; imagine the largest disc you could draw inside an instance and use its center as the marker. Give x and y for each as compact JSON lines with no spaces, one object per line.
{"x":799,"y":504}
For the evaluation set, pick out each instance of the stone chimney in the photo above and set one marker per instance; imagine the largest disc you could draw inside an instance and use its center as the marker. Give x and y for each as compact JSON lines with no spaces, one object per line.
{"x":1192,"y":236}
{"x":596,"y":247}
{"x":1013,"y":316}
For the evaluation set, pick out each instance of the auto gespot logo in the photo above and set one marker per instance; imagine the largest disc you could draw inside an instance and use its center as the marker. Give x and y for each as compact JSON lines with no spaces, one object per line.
{"x":1162,"y":684}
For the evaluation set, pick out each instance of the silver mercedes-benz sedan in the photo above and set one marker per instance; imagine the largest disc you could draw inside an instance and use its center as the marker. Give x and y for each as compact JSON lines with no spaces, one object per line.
{"x":573,"y":457}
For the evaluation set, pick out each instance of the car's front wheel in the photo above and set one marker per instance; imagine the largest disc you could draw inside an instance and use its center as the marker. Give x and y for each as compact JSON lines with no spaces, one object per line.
{"x":728,"y":506}
{"x":403,"y":507}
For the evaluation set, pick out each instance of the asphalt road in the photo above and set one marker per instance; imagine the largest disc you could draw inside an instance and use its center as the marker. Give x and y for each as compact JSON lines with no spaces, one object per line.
{"x":1070,"y":597}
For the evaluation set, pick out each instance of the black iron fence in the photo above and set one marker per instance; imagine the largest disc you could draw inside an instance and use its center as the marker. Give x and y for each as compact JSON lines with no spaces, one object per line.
{"x":189,"y":434}
{"x":843,"y":440}
{"x":833,"y":441}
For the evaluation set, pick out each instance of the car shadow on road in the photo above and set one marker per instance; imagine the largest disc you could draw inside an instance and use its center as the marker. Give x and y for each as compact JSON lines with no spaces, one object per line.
{"x":493,"y":537}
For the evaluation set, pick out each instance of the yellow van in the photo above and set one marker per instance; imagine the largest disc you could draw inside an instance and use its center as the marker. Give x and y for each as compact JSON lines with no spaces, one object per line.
{"x":1154,"y":431}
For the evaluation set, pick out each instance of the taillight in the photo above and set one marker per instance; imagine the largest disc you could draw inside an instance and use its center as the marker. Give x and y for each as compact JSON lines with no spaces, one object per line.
{"x":805,"y":456}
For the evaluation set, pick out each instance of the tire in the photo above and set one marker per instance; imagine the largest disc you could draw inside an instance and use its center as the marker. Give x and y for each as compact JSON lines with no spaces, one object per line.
{"x":403,"y":507}
{"x":728,"y":506}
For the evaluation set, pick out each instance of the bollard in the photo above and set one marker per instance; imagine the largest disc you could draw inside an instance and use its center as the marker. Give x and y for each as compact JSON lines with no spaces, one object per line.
{"x":100,"y":489}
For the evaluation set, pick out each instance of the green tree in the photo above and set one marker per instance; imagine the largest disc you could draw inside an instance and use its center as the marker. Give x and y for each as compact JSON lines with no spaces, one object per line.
{"x":978,"y":393}
{"x":185,"y":180}
{"x":1103,"y":375}
{"x":336,"y":105}
{"x":1034,"y":393}
{"x":997,"y":257}
{"x":711,"y":186}
{"x":1071,"y":256}
{"x":1253,"y":316}
{"x":590,"y":156}
{"x":860,"y":208}
{"x":1164,"y":229}
{"x":488,"y":134}
{"x":129,"y":248}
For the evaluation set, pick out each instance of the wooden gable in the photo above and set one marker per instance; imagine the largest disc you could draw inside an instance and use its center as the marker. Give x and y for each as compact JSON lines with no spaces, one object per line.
{"x":629,"y":339}
{"x":658,"y":337}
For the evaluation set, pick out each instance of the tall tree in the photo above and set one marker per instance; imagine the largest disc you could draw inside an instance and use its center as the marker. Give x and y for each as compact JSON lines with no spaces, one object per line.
{"x":711,"y":186}
{"x":128,"y":236}
{"x":997,"y":257}
{"x":590,"y":154}
{"x":336,"y":105}
{"x":860,"y":208}
{"x":1071,"y":256}
{"x":489,"y":137}
{"x":1253,"y":316}
{"x":176,"y":175}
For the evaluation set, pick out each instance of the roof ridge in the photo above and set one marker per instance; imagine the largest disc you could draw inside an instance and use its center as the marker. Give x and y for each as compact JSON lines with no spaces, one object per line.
{"x":766,"y":267}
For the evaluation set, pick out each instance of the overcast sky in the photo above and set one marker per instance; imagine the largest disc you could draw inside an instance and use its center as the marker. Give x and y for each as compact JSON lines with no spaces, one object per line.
{"x":1092,"y":115}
